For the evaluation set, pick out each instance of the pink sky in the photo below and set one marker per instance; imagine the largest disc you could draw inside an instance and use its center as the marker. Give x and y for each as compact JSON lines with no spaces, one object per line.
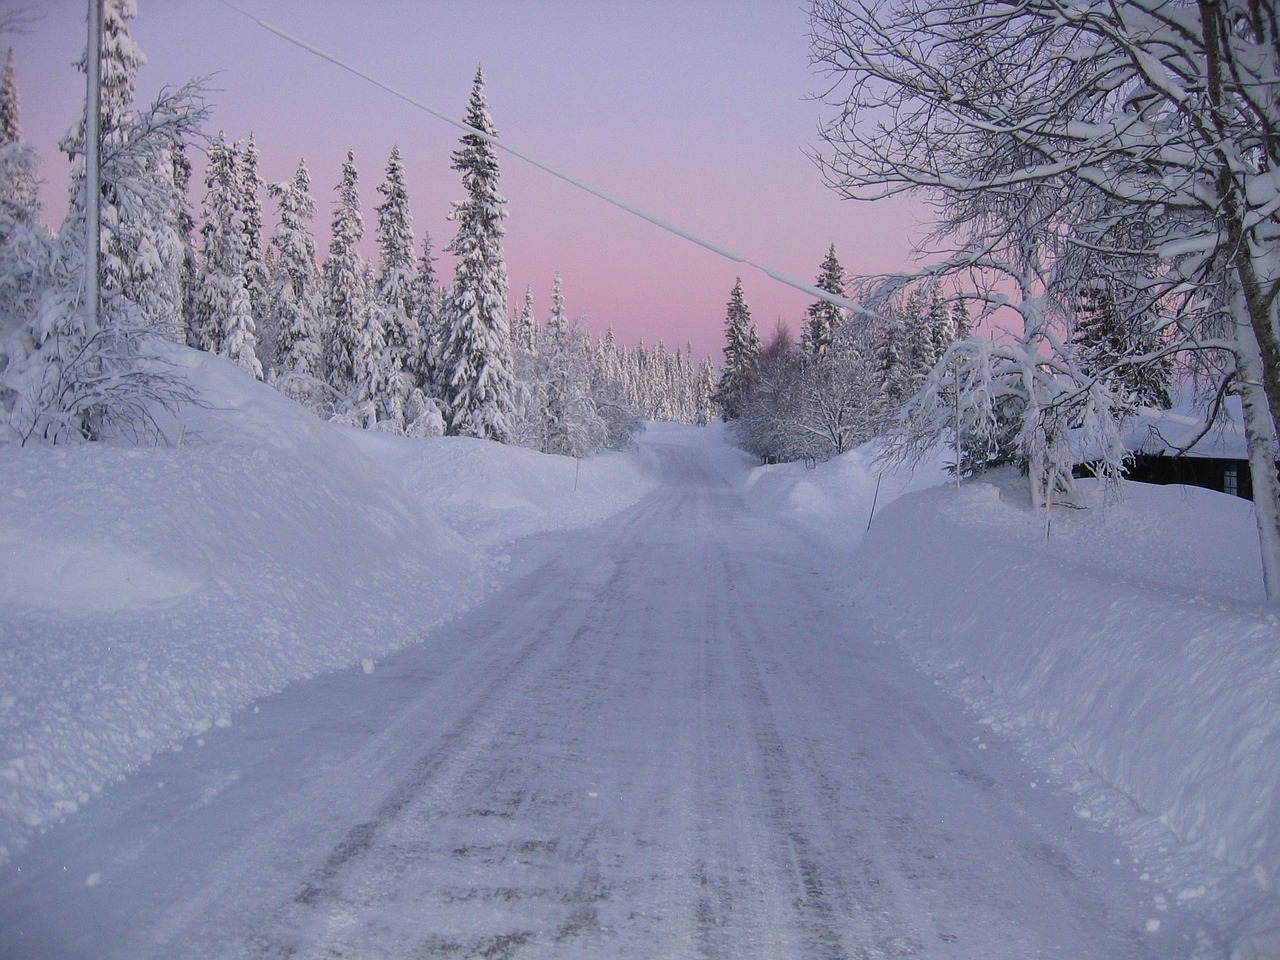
{"x":695,"y":111}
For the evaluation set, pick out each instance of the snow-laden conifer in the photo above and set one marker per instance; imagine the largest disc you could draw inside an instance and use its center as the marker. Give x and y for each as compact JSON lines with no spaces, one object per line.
{"x":225,"y":310}
{"x":294,"y":299}
{"x":345,"y":283}
{"x":397,"y":290}
{"x":25,"y":244}
{"x":705,"y":409}
{"x":529,"y":385}
{"x":256,"y":278}
{"x":189,"y":263}
{"x":524,"y":332}
{"x":893,"y":356}
{"x":741,"y":354}
{"x":69,"y":375}
{"x":824,"y":317}
{"x":474,"y":377}
{"x":9,"y":126}
{"x":570,"y":425}
{"x":426,"y":299}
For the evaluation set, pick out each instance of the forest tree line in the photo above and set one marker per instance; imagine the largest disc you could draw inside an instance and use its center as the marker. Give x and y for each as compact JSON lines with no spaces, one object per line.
{"x":385,"y":345}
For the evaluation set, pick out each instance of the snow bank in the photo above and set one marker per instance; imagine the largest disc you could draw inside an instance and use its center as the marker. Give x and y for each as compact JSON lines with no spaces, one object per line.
{"x":1133,"y":631}
{"x":493,"y":494}
{"x":841,"y":497}
{"x":149,"y":593}
{"x":1153,"y":656}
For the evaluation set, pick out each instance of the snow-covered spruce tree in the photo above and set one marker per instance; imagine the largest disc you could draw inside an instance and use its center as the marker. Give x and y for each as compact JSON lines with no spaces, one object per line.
{"x":940,"y":321}
{"x":426,"y":298}
{"x":919,"y":350}
{"x":294,"y":300}
{"x":553,"y":374}
{"x":224,"y":310}
{"x":475,"y":379}
{"x":704,"y":391}
{"x":609,"y":394}
{"x":524,"y":330}
{"x":189,"y":264}
{"x":374,"y":398}
{"x":155,"y":278}
{"x":825,"y":318}
{"x":893,"y":355}
{"x":9,"y":109}
{"x":741,"y":354}
{"x":607,"y":378}
{"x":346,"y":292}
{"x":1119,"y":332}
{"x":961,"y":325}
{"x":25,"y":245}
{"x":70,"y":375}
{"x":570,"y":426}
{"x":529,"y":397}
{"x":394,"y":296}
{"x":256,"y":278}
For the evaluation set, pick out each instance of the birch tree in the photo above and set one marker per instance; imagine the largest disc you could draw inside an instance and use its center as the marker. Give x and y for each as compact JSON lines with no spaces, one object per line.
{"x":1035,"y":128}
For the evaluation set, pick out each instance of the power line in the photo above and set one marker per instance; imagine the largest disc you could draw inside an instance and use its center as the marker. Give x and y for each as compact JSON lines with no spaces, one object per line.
{"x":559,"y":174}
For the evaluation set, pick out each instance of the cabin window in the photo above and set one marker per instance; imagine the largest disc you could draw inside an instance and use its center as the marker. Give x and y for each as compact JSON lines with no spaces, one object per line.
{"x":1231,"y":481}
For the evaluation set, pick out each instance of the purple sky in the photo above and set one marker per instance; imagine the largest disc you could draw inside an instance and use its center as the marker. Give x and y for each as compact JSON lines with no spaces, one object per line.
{"x":695,"y":111}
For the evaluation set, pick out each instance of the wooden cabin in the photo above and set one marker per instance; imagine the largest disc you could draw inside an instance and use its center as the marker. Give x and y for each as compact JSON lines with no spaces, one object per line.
{"x":1218,"y":460}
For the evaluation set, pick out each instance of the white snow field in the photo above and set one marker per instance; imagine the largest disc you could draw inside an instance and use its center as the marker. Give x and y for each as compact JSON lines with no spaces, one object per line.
{"x":296,"y":690}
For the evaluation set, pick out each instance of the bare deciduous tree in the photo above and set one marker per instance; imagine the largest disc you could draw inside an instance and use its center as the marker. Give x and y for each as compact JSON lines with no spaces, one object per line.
{"x":1035,"y":127}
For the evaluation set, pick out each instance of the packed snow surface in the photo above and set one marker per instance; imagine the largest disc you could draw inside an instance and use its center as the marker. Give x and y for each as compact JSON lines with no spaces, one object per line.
{"x":150,"y":592}
{"x":338,"y":693}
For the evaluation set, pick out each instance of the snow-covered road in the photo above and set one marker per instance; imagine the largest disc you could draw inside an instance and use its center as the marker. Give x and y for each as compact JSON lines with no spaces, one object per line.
{"x":664,"y":736}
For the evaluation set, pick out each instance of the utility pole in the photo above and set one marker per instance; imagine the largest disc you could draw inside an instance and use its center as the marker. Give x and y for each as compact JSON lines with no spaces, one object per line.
{"x":92,"y":162}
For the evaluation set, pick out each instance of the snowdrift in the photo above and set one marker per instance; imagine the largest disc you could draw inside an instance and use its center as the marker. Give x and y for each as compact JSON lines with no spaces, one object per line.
{"x":149,"y":593}
{"x":1132,"y":630}
{"x":1169,"y":690}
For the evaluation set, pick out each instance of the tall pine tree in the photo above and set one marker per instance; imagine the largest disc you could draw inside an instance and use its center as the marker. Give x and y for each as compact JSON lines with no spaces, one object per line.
{"x":475,"y":370}
{"x":256,"y":278}
{"x":825,"y":317}
{"x":225,"y":312}
{"x":741,"y":355}
{"x":426,"y":300}
{"x":345,"y":284}
{"x":25,"y":245}
{"x":397,"y":289}
{"x":294,"y":299}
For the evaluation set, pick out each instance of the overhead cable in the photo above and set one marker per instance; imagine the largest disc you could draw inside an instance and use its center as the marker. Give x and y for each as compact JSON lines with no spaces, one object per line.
{"x":546,"y":168}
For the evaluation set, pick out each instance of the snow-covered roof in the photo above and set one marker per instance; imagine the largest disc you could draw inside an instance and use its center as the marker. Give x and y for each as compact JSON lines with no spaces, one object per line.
{"x":1166,"y":432}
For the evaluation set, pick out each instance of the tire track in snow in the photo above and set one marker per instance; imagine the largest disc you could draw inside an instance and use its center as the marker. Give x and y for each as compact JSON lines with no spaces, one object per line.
{"x":477,"y":716}
{"x":664,"y":738}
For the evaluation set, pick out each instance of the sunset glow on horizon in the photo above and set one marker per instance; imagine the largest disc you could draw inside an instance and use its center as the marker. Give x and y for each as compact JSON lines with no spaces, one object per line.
{"x":699,"y":114}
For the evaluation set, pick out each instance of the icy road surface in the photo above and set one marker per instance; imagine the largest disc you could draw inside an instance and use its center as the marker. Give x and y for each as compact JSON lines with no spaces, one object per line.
{"x":667,"y":736}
